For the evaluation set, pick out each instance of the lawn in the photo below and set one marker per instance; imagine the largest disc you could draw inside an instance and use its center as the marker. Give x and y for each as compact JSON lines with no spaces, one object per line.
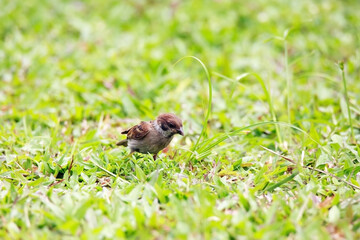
{"x":268,"y":92}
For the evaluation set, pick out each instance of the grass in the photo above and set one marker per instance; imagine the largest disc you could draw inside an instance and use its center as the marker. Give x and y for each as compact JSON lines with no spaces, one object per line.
{"x":274,"y":158}
{"x":341,"y":66}
{"x":208,"y":110}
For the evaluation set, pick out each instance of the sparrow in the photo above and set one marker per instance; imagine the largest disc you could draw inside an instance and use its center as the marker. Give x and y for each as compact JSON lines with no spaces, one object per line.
{"x":152,"y":136}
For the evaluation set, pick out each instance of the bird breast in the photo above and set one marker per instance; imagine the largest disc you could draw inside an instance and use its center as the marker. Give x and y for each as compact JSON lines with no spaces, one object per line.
{"x":151,"y":143}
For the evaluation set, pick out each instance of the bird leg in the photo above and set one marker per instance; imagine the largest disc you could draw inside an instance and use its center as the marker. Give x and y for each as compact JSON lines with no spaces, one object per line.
{"x":155,"y":156}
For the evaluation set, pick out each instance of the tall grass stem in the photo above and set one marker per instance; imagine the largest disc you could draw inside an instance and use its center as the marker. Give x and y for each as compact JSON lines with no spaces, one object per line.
{"x":288,"y":81}
{"x":267,"y":95}
{"x":208,"y":111}
{"x":341,"y":66}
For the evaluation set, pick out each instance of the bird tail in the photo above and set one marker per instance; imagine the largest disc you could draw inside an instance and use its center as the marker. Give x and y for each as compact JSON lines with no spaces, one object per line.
{"x":123,"y":143}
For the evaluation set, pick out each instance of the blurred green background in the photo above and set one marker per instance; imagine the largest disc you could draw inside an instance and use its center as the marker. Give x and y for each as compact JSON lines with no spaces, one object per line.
{"x":73,"y":74}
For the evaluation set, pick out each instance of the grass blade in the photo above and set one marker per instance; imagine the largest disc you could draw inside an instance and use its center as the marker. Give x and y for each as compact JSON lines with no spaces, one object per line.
{"x":208,"y":111}
{"x":341,"y":66}
{"x":272,"y":187}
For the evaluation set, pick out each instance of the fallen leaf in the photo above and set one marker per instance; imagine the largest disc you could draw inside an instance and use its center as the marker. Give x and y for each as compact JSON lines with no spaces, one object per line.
{"x":327,"y":202}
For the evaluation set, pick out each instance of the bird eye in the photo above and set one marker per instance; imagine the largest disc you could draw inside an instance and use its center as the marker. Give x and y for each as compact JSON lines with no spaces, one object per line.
{"x":171,"y":125}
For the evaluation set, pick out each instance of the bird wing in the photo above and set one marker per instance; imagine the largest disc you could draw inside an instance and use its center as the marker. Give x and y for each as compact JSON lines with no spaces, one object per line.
{"x":139,"y":131}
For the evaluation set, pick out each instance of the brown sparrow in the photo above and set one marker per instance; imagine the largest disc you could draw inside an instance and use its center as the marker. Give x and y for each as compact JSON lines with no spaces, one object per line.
{"x":153,"y":136}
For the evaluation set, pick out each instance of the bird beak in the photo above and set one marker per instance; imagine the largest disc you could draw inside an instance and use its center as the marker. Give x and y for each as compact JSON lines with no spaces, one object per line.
{"x":180,"y":131}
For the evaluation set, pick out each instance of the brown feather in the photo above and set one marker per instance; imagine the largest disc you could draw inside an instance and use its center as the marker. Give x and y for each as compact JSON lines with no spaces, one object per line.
{"x":139,"y":131}
{"x":123,"y":143}
{"x":126,"y":131}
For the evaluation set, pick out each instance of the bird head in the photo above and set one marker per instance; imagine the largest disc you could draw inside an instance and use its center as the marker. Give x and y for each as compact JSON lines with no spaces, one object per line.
{"x":170,"y":124}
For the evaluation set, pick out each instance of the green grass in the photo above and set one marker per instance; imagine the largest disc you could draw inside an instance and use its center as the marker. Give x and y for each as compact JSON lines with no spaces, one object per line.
{"x":271,"y":149}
